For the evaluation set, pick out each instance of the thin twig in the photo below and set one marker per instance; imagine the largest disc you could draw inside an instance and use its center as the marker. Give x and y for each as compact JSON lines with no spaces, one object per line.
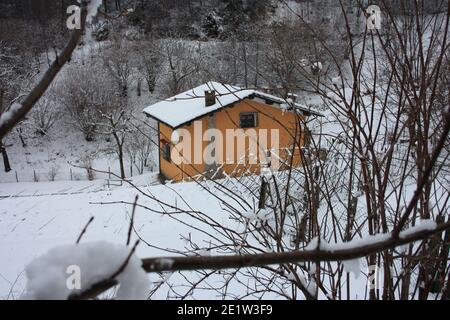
{"x":130,"y":229}
{"x":84,"y":230}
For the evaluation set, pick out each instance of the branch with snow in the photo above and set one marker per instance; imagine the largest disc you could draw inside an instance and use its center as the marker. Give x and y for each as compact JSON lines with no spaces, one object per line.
{"x":72,"y":271}
{"x":10,"y":118}
{"x":315,"y":252}
{"x":47,"y":277}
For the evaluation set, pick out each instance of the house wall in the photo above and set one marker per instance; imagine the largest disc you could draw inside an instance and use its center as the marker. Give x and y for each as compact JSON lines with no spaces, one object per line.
{"x":172,"y":171}
{"x":269,"y":118}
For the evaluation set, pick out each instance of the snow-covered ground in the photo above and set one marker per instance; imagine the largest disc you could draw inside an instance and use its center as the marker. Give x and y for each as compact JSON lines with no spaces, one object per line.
{"x":35,"y":217}
{"x":38,"y":216}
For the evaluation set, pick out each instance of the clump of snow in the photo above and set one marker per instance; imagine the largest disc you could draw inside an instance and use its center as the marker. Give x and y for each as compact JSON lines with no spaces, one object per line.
{"x":318,"y":65}
{"x":337,"y":81}
{"x":421,"y":225}
{"x":165,"y":263}
{"x":92,"y":9}
{"x":8,"y":114}
{"x":54,"y":275}
{"x":204,"y":253}
{"x":313,"y":244}
{"x":261,"y":216}
{"x":352,"y":266}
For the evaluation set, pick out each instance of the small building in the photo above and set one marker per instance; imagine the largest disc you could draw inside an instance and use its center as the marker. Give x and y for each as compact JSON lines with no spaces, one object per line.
{"x":218,"y":130}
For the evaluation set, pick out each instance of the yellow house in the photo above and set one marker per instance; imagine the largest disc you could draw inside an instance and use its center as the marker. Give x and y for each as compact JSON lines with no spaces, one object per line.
{"x":218,"y":130}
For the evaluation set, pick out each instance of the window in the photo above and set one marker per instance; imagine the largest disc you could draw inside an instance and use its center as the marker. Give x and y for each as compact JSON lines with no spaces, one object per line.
{"x":166,"y":151}
{"x":249,"y":120}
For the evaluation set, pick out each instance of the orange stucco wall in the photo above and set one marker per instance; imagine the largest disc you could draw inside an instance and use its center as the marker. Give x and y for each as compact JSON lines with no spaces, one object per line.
{"x":171,"y":170}
{"x":269,"y":118}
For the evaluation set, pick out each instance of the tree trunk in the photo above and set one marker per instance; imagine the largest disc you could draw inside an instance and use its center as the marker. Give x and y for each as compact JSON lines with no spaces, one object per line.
{"x":122,"y":167}
{"x":5,"y":158}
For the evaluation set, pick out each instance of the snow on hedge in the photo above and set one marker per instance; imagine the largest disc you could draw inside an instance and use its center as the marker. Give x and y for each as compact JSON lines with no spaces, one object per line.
{"x":54,"y":275}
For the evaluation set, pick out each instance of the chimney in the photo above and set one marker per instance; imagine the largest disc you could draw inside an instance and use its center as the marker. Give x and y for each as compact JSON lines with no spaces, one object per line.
{"x":210,"y":98}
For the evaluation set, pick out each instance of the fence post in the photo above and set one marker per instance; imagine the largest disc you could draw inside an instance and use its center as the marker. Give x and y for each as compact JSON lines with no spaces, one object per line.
{"x":109,"y":174}
{"x":17,"y":177}
{"x":71,"y":175}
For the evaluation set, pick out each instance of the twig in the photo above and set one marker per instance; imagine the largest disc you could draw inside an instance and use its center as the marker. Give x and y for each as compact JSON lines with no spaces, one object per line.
{"x":84,"y":230}
{"x":130,"y":229}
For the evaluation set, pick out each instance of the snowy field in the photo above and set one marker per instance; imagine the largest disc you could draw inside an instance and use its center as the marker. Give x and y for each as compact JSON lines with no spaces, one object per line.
{"x":36,"y":217}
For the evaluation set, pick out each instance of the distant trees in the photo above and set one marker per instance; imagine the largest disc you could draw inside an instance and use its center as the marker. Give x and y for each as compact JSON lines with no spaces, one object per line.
{"x":142,"y":146}
{"x":117,"y":61}
{"x":86,"y":94}
{"x":45,"y":114}
{"x":150,"y":63}
{"x":117,"y":125}
{"x":213,"y":18}
{"x":183,"y":62}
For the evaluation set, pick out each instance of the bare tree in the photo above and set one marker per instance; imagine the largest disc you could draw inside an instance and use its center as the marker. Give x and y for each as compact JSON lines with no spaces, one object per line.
{"x":150,"y":64}
{"x":141,"y":147}
{"x":117,"y":61}
{"x":45,"y":114}
{"x":86,"y":94}
{"x":117,"y":125}
{"x":183,"y":63}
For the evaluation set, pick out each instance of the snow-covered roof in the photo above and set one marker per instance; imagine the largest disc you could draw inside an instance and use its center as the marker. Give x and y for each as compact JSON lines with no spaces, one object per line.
{"x":190,"y":105}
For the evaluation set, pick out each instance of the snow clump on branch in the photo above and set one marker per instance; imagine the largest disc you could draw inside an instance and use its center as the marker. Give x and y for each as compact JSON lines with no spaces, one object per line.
{"x":72,"y":269}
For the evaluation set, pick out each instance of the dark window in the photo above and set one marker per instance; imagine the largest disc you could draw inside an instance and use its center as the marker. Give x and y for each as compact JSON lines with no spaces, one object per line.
{"x":166,"y":151}
{"x":249,"y":120}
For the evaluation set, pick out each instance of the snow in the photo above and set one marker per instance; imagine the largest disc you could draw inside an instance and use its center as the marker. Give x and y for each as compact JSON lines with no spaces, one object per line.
{"x":8,"y":114}
{"x":259,"y":218}
{"x":190,"y":104}
{"x":313,"y":244}
{"x":352,"y":266}
{"x":318,"y":65}
{"x":421,"y":225}
{"x":92,"y":9}
{"x":35,"y":217}
{"x":165,"y":263}
{"x":49,"y":276}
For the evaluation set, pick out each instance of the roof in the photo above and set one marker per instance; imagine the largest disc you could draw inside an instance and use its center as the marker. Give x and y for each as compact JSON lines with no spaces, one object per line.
{"x":190,"y":105}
